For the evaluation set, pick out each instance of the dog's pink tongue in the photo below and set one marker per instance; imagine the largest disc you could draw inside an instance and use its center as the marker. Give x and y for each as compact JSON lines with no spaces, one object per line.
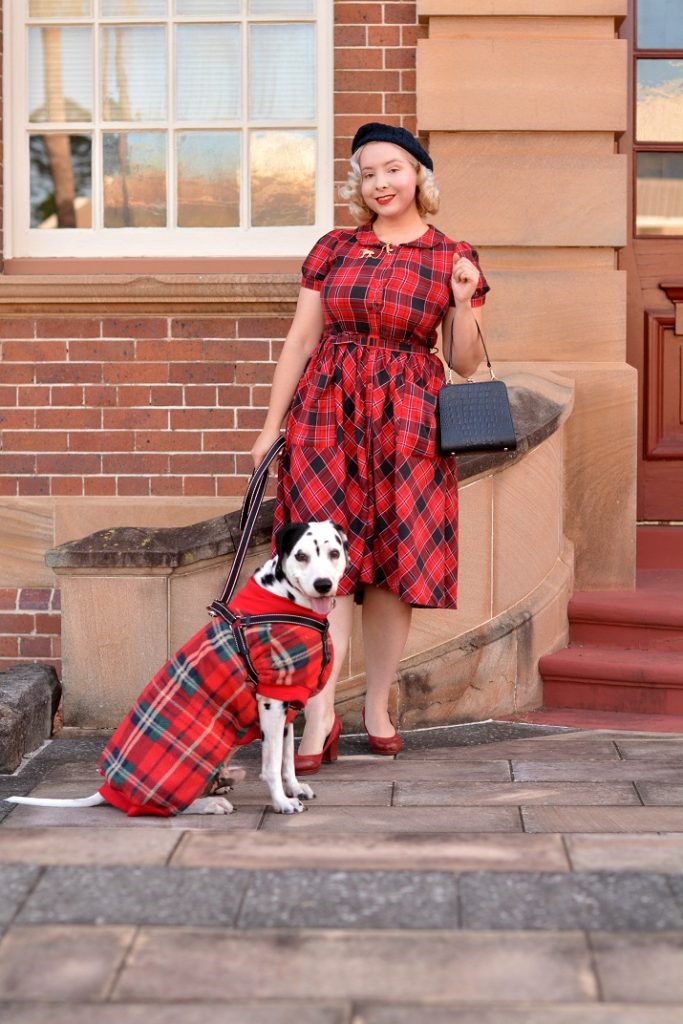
{"x":322,"y":605}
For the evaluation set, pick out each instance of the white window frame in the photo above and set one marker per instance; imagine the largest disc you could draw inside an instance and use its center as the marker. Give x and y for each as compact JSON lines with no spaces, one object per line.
{"x":22,"y":241}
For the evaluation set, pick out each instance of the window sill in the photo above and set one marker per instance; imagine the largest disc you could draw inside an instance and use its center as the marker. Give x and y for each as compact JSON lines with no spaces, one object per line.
{"x":167,"y":293}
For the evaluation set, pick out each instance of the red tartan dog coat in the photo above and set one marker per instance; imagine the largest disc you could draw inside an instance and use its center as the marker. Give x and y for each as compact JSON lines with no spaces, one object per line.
{"x":202,"y":703}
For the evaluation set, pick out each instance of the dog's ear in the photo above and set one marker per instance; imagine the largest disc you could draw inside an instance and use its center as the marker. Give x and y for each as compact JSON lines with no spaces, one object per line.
{"x":285,"y":540}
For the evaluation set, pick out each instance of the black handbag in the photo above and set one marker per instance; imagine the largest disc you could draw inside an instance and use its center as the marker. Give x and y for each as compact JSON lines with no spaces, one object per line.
{"x":474,"y":416}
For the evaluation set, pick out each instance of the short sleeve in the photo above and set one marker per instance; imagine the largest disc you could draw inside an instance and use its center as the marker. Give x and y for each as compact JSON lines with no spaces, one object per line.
{"x":479,"y":296}
{"x":317,"y":264}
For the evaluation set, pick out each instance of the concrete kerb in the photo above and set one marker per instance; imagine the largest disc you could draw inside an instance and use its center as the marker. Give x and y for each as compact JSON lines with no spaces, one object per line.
{"x":29,"y":697}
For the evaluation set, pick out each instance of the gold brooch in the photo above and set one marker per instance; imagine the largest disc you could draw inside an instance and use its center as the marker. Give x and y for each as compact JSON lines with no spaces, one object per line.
{"x":368,"y":254}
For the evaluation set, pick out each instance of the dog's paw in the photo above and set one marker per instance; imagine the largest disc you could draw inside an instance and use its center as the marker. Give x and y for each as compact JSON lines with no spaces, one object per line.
{"x":292,"y":806}
{"x":302,"y":791}
{"x":225,"y":779}
{"x":210,"y":805}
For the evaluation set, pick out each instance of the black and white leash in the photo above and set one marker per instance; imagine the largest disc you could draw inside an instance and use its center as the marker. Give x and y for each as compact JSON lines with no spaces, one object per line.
{"x":219,"y":608}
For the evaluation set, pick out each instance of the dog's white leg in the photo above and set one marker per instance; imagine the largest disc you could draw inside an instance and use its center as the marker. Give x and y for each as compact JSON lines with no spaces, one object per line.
{"x":272,"y":717}
{"x":292,"y":785}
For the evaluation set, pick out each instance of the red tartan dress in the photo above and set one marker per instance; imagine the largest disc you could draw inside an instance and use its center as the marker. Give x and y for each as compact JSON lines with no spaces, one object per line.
{"x":201,"y":704}
{"x":361,"y":434}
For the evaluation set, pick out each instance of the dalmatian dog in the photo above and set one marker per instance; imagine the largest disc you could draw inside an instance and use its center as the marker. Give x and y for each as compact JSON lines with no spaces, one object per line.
{"x":309,"y":561}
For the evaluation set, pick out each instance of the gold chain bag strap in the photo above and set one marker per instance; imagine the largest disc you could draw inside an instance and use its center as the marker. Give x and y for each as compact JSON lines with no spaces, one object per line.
{"x":474,"y":416}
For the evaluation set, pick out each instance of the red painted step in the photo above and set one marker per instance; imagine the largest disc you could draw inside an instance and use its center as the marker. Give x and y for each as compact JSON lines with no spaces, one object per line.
{"x":611,"y":679}
{"x":644,"y":619}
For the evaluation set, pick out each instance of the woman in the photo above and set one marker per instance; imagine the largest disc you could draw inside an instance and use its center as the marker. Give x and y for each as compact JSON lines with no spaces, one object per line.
{"x":359,"y":381}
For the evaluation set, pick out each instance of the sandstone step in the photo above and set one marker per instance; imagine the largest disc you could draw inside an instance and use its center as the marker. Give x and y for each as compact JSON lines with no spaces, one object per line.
{"x":642,"y":618}
{"x":613,"y":679}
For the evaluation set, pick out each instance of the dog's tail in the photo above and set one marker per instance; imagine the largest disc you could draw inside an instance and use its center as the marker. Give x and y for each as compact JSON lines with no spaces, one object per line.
{"x":37,"y":801}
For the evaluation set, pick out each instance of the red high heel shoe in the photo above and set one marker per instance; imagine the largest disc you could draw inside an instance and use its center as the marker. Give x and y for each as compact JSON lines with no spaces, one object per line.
{"x":384,"y":744}
{"x":309,"y":764}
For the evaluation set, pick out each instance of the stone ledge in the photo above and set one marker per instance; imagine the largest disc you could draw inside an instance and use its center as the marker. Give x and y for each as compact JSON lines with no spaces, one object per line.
{"x":29,"y":696}
{"x":539,"y":406}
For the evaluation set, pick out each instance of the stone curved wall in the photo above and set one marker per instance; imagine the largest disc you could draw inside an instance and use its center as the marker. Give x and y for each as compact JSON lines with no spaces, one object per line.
{"x":132,"y":596}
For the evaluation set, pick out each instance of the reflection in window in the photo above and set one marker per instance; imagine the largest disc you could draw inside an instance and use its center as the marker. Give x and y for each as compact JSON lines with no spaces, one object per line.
{"x":59,"y":74}
{"x":61,"y":181}
{"x":659,"y":194}
{"x":59,"y":8}
{"x":276,"y":8}
{"x":208,"y":179}
{"x":207,"y":8}
{"x":132,"y":8}
{"x":659,"y":99}
{"x":208,"y":72}
{"x":282,"y":72}
{"x":134,"y":179}
{"x":660,"y":25}
{"x":134,"y":69}
{"x":282,"y":178}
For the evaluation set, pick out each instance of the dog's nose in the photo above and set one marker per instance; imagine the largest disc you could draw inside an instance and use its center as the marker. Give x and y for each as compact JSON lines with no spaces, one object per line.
{"x":323,"y":585}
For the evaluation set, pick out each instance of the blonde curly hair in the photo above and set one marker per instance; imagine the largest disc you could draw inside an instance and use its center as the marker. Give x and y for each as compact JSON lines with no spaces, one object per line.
{"x":427,"y":194}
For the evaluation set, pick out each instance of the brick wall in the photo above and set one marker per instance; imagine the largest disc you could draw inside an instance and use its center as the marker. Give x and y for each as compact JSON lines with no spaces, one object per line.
{"x":158,"y":406}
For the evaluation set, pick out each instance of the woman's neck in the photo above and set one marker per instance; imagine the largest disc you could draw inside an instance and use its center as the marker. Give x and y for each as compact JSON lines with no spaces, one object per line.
{"x":402,"y":229}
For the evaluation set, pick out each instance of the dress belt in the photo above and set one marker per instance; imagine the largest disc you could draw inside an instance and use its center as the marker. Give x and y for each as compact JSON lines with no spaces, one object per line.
{"x":375,"y":341}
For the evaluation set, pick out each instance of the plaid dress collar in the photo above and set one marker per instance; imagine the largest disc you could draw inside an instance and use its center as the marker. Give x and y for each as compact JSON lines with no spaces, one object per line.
{"x":365,"y":235}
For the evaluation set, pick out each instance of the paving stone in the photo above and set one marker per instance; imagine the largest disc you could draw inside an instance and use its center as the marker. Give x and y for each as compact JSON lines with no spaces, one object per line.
{"x":397,"y":819}
{"x":83,"y":772}
{"x":661,"y":794}
{"x":87,"y":845}
{"x":639,"y":967}
{"x":16,"y":881}
{"x":328,"y":793}
{"x":233,"y":1012}
{"x":660,"y":748}
{"x":340,"y":899}
{"x":487,"y":794}
{"x":126,"y":895}
{"x":459,"y":1013}
{"x":436,"y":852}
{"x":175,"y":964}
{"x":109,"y":817}
{"x":603,"y":819}
{"x":608,"y":902}
{"x":61,"y":963}
{"x":649,"y":852}
{"x":379,"y":768}
{"x":568,"y":747}
{"x":676,"y":886}
{"x":594,"y":771}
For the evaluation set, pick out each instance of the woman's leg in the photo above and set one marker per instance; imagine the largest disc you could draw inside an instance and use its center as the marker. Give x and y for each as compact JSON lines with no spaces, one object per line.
{"x":320,"y":710}
{"x":386,"y":623}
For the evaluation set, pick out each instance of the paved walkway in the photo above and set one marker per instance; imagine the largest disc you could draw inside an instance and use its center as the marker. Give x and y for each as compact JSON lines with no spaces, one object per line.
{"x":527,"y":880}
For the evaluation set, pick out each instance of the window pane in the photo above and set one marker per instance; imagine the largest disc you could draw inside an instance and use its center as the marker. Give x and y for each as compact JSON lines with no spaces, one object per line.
{"x":659,"y":194}
{"x":60,"y":74}
{"x":280,"y":7}
{"x":282,"y":178}
{"x":59,"y":8}
{"x":204,"y":8}
{"x":208,"y":72}
{"x":132,"y":8}
{"x":61,"y":181}
{"x":134,"y":179}
{"x":659,"y":114}
{"x":282,"y":72}
{"x":660,"y":24}
{"x":134,"y":70}
{"x":208,"y":179}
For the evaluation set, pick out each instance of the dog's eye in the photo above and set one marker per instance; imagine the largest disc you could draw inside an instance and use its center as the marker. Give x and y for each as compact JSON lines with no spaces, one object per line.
{"x":301,"y":557}
{"x":334,"y":554}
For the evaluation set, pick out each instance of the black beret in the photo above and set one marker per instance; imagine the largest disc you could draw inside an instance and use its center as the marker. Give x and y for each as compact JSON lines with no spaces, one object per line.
{"x":375,"y":131}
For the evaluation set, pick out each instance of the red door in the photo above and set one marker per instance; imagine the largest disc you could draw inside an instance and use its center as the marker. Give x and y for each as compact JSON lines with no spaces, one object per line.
{"x":654,"y":254}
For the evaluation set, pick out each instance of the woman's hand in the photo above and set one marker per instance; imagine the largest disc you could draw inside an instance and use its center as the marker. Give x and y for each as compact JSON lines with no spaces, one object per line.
{"x":464,"y":280}
{"x":260,"y":449}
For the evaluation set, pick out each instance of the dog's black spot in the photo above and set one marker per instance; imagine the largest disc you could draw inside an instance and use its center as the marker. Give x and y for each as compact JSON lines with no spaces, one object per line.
{"x":288,"y":536}
{"x":290,"y":595}
{"x":268,"y":579}
{"x":266,"y":706}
